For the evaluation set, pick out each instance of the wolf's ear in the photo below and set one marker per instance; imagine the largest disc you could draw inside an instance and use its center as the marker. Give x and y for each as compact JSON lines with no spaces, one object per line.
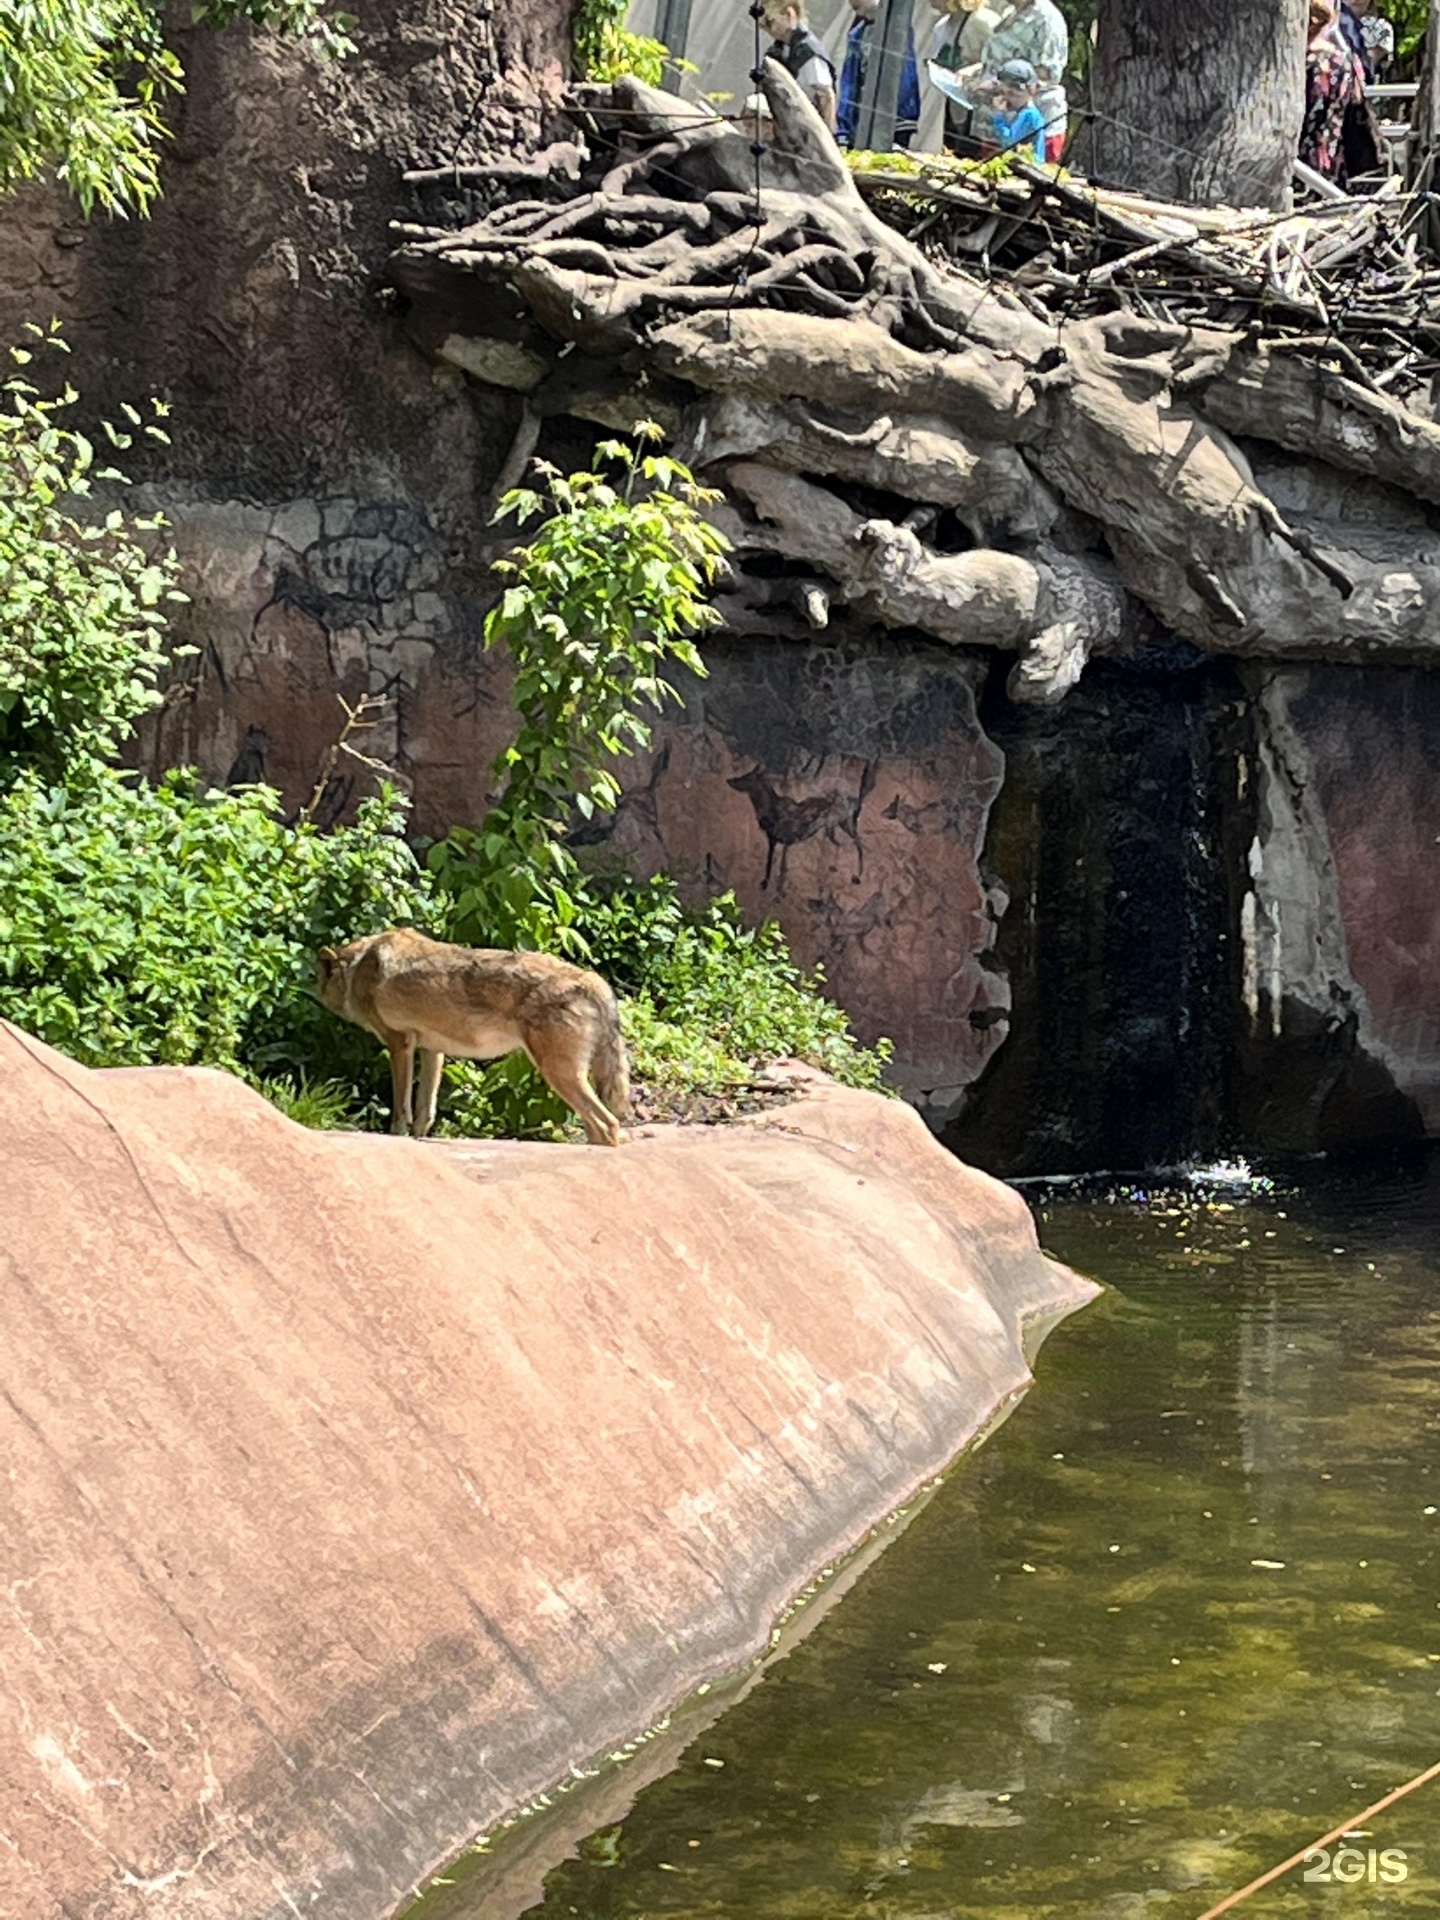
{"x":325,"y":961}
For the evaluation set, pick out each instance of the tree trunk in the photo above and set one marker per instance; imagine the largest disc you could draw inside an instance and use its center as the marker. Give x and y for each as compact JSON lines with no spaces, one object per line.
{"x":1201,"y":101}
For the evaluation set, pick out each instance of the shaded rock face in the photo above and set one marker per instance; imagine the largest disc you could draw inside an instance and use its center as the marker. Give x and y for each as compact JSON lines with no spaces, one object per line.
{"x":1113,"y":838}
{"x":325,"y":482}
{"x":1224,"y":919}
{"x":357,"y":1489}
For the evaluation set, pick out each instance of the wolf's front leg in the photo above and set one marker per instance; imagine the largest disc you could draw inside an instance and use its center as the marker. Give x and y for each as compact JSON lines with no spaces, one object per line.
{"x":402,"y":1074}
{"x":430,"y":1068}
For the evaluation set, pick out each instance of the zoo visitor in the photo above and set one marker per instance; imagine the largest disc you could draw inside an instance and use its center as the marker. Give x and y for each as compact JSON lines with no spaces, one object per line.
{"x":858,"y":44}
{"x":1033,"y":31}
{"x":958,"y":45}
{"x":800,"y":52}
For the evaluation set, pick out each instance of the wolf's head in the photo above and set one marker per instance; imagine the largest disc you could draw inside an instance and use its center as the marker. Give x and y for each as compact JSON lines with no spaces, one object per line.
{"x":331,"y":974}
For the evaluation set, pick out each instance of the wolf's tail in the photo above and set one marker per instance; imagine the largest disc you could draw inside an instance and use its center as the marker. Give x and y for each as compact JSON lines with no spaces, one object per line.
{"x":609,"y":1071}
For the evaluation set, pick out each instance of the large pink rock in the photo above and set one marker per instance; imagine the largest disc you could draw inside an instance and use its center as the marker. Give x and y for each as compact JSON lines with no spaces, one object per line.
{"x":355,"y":1489}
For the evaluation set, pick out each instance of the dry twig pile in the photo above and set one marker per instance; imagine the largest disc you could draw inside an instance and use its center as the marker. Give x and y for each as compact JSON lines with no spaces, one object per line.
{"x":1344,"y":279}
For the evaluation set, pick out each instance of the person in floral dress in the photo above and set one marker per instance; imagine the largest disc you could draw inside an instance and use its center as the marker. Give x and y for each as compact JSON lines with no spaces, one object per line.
{"x":1334,"y":82}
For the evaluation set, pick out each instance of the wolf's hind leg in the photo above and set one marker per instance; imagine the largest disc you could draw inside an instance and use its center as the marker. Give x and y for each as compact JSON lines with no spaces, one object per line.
{"x":402,"y":1074}
{"x":555,"y":1058}
{"x":428,"y":1092}
{"x":609,"y":1069}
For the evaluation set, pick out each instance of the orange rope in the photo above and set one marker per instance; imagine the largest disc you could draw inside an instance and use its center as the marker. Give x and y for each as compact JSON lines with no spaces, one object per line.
{"x":1349,"y":1826}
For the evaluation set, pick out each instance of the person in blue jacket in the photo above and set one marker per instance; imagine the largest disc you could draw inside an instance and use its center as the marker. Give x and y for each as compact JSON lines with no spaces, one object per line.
{"x":858,"y":43}
{"x":1017,"y":121}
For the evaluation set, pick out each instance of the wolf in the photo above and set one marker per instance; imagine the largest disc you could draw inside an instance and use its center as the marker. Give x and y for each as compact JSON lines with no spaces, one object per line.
{"x":479,"y":1003}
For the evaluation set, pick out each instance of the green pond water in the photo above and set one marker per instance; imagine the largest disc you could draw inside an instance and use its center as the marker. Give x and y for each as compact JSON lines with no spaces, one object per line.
{"x":1179,"y":1616}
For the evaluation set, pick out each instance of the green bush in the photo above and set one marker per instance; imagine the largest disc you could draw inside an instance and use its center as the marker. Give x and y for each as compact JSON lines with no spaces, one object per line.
{"x":144,"y":923}
{"x":606,"y":49}
{"x":168,"y":924}
{"x":600,"y":608}
{"x":84,"y":85}
{"x":82,"y":591}
{"x":322,"y":1104}
{"x":712,"y":999}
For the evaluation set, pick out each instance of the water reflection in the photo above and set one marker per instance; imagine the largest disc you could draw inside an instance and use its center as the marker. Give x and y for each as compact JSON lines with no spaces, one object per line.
{"x":1180,"y":1614}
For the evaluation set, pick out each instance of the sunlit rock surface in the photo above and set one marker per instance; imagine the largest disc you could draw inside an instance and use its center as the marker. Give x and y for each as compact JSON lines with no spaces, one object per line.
{"x":356,"y":1489}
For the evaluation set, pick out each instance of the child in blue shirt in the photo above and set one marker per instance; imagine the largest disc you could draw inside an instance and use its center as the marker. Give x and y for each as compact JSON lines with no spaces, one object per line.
{"x":1018,"y":122}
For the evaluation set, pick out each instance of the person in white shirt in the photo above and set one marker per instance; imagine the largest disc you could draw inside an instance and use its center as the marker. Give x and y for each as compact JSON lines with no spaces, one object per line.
{"x":801,"y":53}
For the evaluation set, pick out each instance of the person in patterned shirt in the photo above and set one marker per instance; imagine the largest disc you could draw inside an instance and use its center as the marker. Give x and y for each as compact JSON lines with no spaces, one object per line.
{"x":1377,"y":34}
{"x":1334,"y":82}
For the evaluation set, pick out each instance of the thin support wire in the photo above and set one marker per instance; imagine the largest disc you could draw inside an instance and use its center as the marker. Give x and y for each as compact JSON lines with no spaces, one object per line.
{"x":757,"y":150}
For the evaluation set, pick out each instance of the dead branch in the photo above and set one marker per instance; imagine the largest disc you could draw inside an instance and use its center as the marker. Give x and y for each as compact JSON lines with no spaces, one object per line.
{"x":365,"y":714}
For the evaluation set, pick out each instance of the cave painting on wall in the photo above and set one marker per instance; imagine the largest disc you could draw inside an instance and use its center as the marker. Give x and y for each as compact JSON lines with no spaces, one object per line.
{"x":869,"y":861}
{"x":786,"y":821}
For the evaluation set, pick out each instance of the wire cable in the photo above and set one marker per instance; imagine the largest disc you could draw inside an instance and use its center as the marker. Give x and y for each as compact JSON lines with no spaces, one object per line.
{"x":758,"y":151}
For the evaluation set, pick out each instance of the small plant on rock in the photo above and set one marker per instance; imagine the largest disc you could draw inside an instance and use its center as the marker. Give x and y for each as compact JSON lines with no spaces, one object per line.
{"x":84,"y":87}
{"x":606,"y":49}
{"x":601,"y":605}
{"x":83,"y":590}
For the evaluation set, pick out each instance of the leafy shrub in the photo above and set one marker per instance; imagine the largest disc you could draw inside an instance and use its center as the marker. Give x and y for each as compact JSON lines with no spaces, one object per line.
{"x":83,"y":86}
{"x":322,"y":1104}
{"x":82,"y":595}
{"x":145,"y":923}
{"x":606,"y":49}
{"x":502,"y":1100}
{"x":602,"y":602}
{"x":167,"y":924}
{"x":731,"y":992}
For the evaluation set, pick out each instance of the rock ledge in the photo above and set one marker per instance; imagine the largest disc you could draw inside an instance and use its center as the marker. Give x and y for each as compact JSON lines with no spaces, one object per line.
{"x":357,"y":1489}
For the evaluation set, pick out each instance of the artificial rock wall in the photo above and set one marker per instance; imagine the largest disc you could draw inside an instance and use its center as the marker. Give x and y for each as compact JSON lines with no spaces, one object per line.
{"x":1189,"y":906}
